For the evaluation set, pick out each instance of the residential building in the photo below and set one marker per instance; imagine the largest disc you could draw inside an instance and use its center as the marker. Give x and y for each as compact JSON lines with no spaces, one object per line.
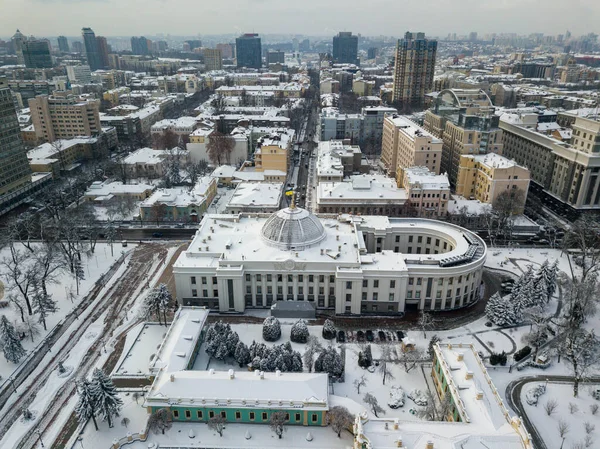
{"x":248,"y":51}
{"x":139,"y":45}
{"x":364,"y":194}
{"x":64,"y":116}
{"x":569,"y":173}
{"x":79,"y":74}
{"x":183,"y":126}
{"x":200,"y":139}
{"x":227,"y":50}
{"x":92,"y":49}
{"x":345,"y":48}
{"x":486,"y":176}
{"x":78,"y":47}
{"x":180,"y":204}
{"x":103,"y":51}
{"x":63,"y":44}
{"x":36,"y":53}
{"x":105,"y":191}
{"x":427,"y":193}
{"x":255,"y":197}
{"x":466,"y":121}
{"x":145,"y":163}
{"x":274,"y":151}
{"x":413,"y":69}
{"x":406,"y":144}
{"x":351,"y":265}
{"x":212,"y":59}
{"x":336,"y":160}
{"x":15,"y":173}
{"x":275,"y":57}
{"x":61,"y":155}
{"x":363,"y":87}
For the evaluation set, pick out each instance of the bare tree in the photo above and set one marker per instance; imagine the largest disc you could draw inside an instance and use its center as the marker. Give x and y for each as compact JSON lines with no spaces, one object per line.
{"x":573,"y":408}
{"x":195,"y":170}
{"x":410,"y":359}
{"x":372,"y":402}
{"x":563,"y":427}
{"x":158,"y":211}
{"x":217,"y":423}
{"x":339,"y":418}
{"x":28,"y":326}
{"x":550,"y":406}
{"x":313,"y":347}
{"x":582,"y":241}
{"x":22,"y":276}
{"x":436,"y":410}
{"x":219,"y":148}
{"x":589,"y":427}
{"x":388,"y":354}
{"x":360,"y":382}
{"x":426,"y":322}
{"x":125,"y":421}
{"x":277,"y":422}
{"x":507,"y":204}
{"x":594,"y":409}
{"x":159,"y":421}
{"x":136,"y":396}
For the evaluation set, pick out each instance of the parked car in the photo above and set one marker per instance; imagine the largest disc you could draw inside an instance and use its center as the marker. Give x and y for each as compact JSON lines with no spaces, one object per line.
{"x":381,"y":336}
{"x":341,"y":337}
{"x":157,"y":235}
{"x":360,"y":336}
{"x":400,"y":335}
{"x":369,"y":335}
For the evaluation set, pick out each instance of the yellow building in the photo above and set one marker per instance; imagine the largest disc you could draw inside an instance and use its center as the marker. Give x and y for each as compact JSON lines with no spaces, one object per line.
{"x":406,"y":144}
{"x":274,"y":151}
{"x":485,"y":176}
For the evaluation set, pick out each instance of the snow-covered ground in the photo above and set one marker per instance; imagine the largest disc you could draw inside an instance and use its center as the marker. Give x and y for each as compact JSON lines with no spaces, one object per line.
{"x":62,"y":291}
{"x":548,"y":426}
{"x":140,"y":345}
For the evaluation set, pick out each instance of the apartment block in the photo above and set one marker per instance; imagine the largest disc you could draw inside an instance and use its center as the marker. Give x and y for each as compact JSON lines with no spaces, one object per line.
{"x":212,"y":59}
{"x":486,"y":176}
{"x":427,"y":193}
{"x":406,"y":144}
{"x":64,"y":116}
{"x":274,"y":151}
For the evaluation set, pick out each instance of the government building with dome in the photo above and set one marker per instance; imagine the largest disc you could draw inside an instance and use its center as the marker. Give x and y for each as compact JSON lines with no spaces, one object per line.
{"x":347,"y":264}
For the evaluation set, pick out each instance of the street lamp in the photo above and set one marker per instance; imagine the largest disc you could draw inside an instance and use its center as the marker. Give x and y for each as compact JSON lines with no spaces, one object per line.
{"x":39,"y":434}
{"x":80,"y":439}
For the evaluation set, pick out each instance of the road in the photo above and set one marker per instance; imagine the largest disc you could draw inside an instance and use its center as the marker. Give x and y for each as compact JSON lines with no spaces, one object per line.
{"x":148,"y":233}
{"x":116,"y":303}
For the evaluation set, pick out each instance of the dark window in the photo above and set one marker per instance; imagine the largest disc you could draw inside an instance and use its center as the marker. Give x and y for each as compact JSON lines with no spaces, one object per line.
{"x":264,"y":416}
{"x":193,"y":280}
{"x":211,"y":414}
{"x":298,"y":417}
{"x":176,"y":414}
{"x":188,"y":414}
{"x":199,"y":414}
{"x":238,"y":415}
{"x":223,"y":414}
{"x":252,"y":416}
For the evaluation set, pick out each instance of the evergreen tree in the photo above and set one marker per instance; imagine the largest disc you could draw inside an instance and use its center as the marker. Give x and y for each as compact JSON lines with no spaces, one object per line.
{"x":271,"y":329}
{"x":551,"y":279}
{"x":231,"y":342}
{"x":105,"y":397}
{"x":299,"y":332}
{"x":242,"y":354}
{"x":43,"y":305}
{"x":500,"y":311}
{"x":164,"y":300}
{"x":330,"y":362}
{"x":85,"y":408}
{"x":328,"y":330}
{"x":10,"y":342}
{"x":151,"y":306}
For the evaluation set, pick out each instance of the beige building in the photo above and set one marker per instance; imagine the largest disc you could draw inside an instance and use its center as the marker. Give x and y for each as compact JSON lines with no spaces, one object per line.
{"x":274,"y":151}
{"x":64,"y":116}
{"x":570,"y":173}
{"x":212,"y":59}
{"x":362,"y":87}
{"x":413,"y":69}
{"x":486,"y":176}
{"x":406,"y":144}
{"x":427,"y":193}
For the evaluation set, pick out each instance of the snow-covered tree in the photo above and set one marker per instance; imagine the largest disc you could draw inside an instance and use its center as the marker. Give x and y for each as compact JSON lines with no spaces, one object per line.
{"x":271,"y":329}
{"x":242,"y":354}
{"x":164,"y":300}
{"x":86,"y":407}
{"x":232,"y":341}
{"x":360,"y":382}
{"x":410,"y":359}
{"x":500,"y":310}
{"x":385,"y":363}
{"x":430,"y":352}
{"x":79,"y":272}
{"x":43,"y":305}
{"x":217,"y":423}
{"x":365,"y":358}
{"x":299,"y":332}
{"x":159,"y":421}
{"x":277,"y":422}
{"x":312,"y":349}
{"x":10,"y":341}
{"x":339,"y":418}
{"x":373,"y":404}
{"x":425,"y":322}
{"x":105,"y":397}
{"x":330,"y":362}
{"x":328,"y":330}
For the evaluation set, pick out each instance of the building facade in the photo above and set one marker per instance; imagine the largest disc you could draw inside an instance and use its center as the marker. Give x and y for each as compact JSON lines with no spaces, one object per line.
{"x":63,"y":44}
{"x":427,"y":193}
{"x":248,"y":51}
{"x":64,"y":116}
{"x":79,"y":74}
{"x":212,"y":59}
{"x":92,"y":50}
{"x":347,"y":264}
{"x":413,"y":69}
{"x":345,"y":48}
{"x":406,"y":144}
{"x":36,"y":54}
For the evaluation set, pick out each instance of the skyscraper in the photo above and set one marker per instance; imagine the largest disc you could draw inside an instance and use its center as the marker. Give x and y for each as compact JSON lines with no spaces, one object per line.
{"x":248,"y":50}
{"x":413,"y":69}
{"x":18,"y":39}
{"x":63,"y":44}
{"x":139,"y":45}
{"x":36,"y":54}
{"x":212,"y":59}
{"x":77,"y":47}
{"x":91,"y":49}
{"x":14,"y":166}
{"x":103,"y":51}
{"x":345,"y":48}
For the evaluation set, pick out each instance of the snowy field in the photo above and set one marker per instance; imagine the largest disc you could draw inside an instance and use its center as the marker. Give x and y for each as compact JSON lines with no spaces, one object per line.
{"x":574,"y":419}
{"x":63,"y":291}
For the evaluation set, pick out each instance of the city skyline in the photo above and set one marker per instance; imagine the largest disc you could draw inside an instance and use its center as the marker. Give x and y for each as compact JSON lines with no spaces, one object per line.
{"x":435,"y":19}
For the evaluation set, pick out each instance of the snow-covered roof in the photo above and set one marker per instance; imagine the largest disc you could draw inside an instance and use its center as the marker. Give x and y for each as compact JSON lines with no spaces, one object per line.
{"x":410,"y":129}
{"x":426,"y":179}
{"x":493,"y":160}
{"x":181,"y":196}
{"x":49,"y":150}
{"x":330,"y":155}
{"x":256,"y":194}
{"x":366,"y":188}
{"x":99,"y":188}
{"x":145,"y":156}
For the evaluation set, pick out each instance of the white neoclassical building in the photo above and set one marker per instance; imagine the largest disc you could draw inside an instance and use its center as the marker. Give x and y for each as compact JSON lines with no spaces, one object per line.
{"x":349,"y":264}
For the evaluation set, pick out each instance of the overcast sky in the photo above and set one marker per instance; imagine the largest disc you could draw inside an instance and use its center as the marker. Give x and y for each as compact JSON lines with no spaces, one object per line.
{"x":311,"y":17}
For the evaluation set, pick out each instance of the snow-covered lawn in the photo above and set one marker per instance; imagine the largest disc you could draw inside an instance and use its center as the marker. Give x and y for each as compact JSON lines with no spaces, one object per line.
{"x":63,"y":291}
{"x":549,"y":426}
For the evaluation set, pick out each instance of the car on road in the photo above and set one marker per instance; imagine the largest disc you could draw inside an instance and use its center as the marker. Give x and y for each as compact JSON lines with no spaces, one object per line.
{"x":157,"y":235}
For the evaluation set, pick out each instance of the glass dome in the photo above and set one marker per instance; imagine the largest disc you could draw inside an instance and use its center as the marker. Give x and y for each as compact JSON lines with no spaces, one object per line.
{"x":292,"y":228}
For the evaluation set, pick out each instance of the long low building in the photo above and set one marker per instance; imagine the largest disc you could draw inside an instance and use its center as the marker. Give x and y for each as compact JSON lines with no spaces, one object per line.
{"x":349,"y":264}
